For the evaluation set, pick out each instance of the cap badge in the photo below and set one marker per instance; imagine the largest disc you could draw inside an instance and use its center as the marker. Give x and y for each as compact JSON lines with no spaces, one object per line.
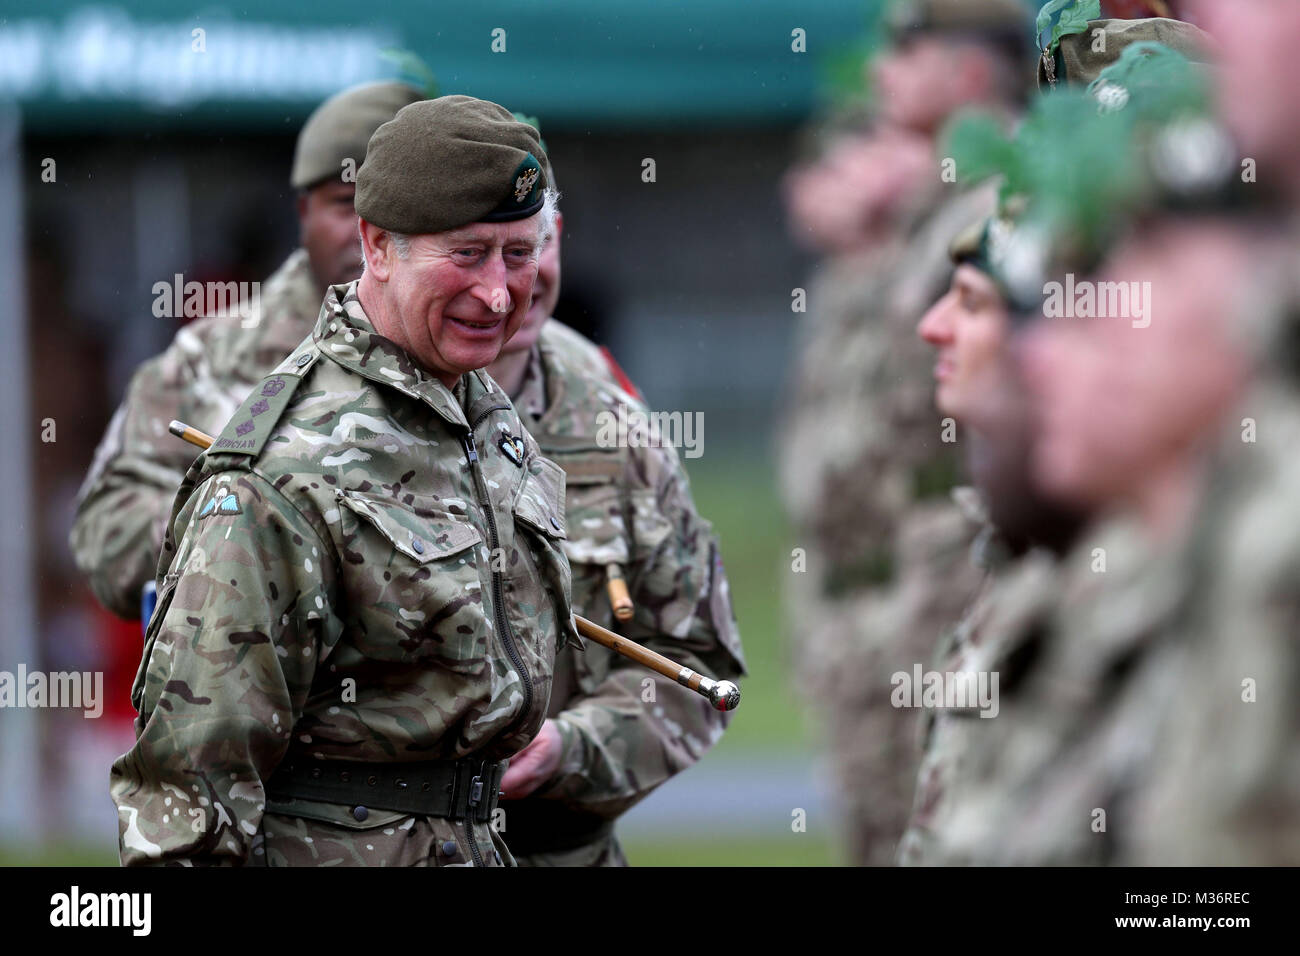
{"x":524,"y":184}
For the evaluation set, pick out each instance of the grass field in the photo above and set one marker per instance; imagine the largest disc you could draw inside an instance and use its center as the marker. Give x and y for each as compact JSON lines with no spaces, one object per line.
{"x":737,"y":494}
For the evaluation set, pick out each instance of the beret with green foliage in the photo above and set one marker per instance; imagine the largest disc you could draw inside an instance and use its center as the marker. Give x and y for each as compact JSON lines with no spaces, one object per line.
{"x":445,"y":163}
{"x":1085,"y":163}
{"x":1088,"y":46}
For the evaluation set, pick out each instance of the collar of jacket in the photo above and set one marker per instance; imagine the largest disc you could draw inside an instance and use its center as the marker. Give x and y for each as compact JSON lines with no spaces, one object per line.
{"x":345,"y":335}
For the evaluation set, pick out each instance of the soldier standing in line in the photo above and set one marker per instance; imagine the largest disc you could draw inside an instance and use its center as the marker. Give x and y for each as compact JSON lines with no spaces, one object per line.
{"x":865,"y":472}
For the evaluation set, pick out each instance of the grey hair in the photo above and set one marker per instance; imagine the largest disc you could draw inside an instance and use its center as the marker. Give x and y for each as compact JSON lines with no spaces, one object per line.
{"x":549,"y":211}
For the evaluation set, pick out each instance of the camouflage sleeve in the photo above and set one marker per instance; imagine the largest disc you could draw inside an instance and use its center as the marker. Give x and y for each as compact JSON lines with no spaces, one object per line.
{"x":127,"y":497}
{"x":638,"y":728}
{"x":243,"y":620}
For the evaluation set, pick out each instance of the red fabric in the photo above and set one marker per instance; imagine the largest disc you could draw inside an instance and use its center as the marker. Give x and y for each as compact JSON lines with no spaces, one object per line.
{"x":122,"y":643}
{"x":620,"y":376}
{"x":1140,"y":9}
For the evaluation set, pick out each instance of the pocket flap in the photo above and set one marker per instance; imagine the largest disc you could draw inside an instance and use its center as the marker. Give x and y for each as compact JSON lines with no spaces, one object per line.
{"x":540,"y":502}
{"x":594,"y":515}
{"x":421,"y":533}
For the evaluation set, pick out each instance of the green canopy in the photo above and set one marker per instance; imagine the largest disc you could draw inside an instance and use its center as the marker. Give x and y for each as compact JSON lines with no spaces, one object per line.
{"x":150,"y":63}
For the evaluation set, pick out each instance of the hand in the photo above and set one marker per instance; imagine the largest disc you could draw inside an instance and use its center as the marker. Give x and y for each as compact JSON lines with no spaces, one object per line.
{"x":532,"y":765}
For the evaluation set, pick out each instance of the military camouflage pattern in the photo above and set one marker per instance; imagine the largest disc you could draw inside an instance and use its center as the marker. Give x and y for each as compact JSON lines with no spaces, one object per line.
{"x":1015,"y":601}
{"x":1225,"y":781}
{"x":1147,"y":713}
{"x":865,"y":477}
{"x":1086,"y":671}
{"x":625,"y":729}
{"x":333,"y":585}
{"x":201,"y":379}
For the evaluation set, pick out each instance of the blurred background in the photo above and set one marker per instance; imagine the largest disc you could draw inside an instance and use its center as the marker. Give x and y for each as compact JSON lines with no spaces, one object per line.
{"x":173,"y":161}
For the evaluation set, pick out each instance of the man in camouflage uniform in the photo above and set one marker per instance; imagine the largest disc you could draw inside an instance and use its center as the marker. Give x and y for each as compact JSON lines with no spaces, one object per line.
{"x":1225,"y":787}
{"x":364,"y":582}
{"x":1021,"y":534}
{"x":865,"y":470}
{"x":614,"y":731}
{"x":213,"y":363}
{"x":1092,"y":683}
{"x":1127,"y":413}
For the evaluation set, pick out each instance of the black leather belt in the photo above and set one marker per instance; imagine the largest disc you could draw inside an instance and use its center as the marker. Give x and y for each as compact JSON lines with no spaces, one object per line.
{"x":455,"y":790}
{"x":533,"y":825}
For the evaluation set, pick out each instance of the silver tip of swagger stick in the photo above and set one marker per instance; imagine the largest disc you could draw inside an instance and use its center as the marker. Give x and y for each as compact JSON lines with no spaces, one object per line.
{"x":724,"y":695}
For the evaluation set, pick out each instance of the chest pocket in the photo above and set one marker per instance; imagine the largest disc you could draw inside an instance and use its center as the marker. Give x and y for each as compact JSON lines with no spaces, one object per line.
{"x":542,"y":522}
{"x":596,"y":518}
{"x":416,"y":582}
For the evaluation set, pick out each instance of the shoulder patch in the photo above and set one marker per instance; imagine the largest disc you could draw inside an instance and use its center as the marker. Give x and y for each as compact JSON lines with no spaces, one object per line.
{"x":250,"y":427}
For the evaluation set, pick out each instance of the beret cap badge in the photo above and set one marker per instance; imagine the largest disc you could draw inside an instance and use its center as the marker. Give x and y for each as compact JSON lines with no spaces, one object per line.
{"x":524,"y":184}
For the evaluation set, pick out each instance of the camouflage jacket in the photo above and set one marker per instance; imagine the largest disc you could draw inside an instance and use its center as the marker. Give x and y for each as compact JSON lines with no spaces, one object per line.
{"x":365,"y":566}
{"x":201,"y":379}
{"x":625,"y":729}
{"x":1147,"y":702}
{"x":1014,"y":602}
{"x":1223,"y":785}
{"x":1087,"y":666}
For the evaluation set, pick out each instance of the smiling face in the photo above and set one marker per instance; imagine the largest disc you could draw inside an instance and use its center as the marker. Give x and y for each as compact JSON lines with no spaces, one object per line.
{"x":457,"y":297}
{"x":969,"y":328}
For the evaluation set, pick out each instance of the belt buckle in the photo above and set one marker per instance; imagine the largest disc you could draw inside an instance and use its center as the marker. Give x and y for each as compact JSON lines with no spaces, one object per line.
{"x":476,"y":799}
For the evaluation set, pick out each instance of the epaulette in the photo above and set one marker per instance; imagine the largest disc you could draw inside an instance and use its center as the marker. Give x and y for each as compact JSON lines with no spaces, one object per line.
{"x":251,"y":426}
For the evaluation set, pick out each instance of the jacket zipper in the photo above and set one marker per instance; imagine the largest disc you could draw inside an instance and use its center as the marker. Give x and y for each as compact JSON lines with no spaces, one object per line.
{"x":498,"y":603}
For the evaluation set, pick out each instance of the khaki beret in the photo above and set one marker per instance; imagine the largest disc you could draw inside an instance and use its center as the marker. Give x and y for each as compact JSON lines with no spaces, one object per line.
{"x":1077,"y":62}
{"x":935,"y":16}
{"x":445,"y":163}
{"x":968,"y":245}
{"x":340,"y":128}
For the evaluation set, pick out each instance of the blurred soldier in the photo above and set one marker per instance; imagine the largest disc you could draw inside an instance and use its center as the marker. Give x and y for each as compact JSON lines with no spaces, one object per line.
{"x":1132,"y":388}
{"x":365,"y":585}
{"x":204,"y":375}
{"x":1128,"y":412}
{"x":1022,"y":533}
{"x":614,"y":731}
{"x":1255,"y":43}
{"x":865,"y":470}
{"x":1225,"y":785}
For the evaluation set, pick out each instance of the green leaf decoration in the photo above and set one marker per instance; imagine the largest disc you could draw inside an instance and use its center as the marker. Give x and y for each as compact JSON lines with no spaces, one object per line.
{"x":976,"y":143}
{"x":1074,"y":17}
{"x":1159,"y":83}
{"x":411,"y":66}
